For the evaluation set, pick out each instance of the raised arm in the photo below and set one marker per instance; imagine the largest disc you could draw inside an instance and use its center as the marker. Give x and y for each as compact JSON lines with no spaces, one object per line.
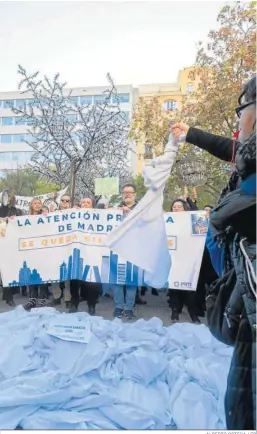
{"x":223,"y":148}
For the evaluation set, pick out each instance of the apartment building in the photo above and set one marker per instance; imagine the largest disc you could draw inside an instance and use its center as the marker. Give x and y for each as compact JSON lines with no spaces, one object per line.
{"x":170,"y":96}
{"x":14,"y":130}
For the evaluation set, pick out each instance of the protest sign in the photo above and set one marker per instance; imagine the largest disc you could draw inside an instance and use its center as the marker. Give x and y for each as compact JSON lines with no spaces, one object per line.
{"x":71,"y":245}
{"x":50,"y":200}
{"x":70,"y":329}
{"x":106,"y":186}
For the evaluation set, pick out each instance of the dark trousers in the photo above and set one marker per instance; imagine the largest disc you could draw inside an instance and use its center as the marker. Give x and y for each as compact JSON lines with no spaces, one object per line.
{"x":206,"y":277}
{"x":8,"y":294}
{"x":74,"y":291}
{"x":89,"y":291}
{"x":38,"y":291}
{"x":179,"y":298}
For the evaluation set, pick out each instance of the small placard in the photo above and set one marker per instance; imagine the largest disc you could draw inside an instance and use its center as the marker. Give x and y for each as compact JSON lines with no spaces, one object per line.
{"x":69,"y":329}
{"x":106,"y":186}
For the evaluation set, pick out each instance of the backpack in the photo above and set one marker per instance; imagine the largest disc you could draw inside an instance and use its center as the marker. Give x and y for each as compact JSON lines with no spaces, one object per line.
{"x":228,"y":297}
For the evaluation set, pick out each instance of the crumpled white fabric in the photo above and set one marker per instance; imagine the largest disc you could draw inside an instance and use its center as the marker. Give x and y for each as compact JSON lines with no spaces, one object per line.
{"x":129,"y":376}
{"x":141,"y":238}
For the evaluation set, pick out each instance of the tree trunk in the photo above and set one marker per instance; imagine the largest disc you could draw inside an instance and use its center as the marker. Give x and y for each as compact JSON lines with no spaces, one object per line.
{"x":72,"y":183}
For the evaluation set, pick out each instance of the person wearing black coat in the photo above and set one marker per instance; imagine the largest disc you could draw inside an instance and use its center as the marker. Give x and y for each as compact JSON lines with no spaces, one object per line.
{"x":231,"y":312}
{"x":231,"y":303}
{"x":5,"y":213}
{"x":178,"y":298}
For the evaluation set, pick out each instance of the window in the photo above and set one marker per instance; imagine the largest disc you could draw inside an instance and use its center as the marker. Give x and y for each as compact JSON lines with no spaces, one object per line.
{"x":6,"y":138}
{"x":125,"y":115}
{"x":75,"y":99}
{"x":5,"y":157}
{"x":190,"y":88}
{"x":16,"y":156}
{"x":1,"y":104}
{"x":8,"y":103}
{"x":28,"y":156}
{"x":72,"y":118}
{"x":20,"y":157}
{"x":122,"y":97}
{"x":34,"y":103}
{"x":170,"y":105}
{"x":87,"y":99}
{"x":100,"y":99}
{"x":7,"y":121}
{"x":20,"y":103}
{"x":31,"y":121}
{"x":29,"y":138}
{"x":17,"y":138}
{"x":20,"y":120}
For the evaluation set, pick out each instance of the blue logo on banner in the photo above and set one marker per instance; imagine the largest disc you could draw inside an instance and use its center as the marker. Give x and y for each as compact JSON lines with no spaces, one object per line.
{"x":112,"y":271}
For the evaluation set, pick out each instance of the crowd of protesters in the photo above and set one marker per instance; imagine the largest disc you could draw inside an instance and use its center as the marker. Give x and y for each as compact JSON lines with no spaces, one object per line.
{"x":125,"y":298}
{"x":228,"y":271}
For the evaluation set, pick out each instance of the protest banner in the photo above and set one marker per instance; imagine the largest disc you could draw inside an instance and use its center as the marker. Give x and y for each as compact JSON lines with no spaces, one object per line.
{"x":107,"y":186}
{"x":71,"y":245}
{"x":49,"y":200}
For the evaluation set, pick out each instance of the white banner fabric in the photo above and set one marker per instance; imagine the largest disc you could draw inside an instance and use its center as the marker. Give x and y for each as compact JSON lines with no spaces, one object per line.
{"x":49,"y":200}
{"x":71,"y":245}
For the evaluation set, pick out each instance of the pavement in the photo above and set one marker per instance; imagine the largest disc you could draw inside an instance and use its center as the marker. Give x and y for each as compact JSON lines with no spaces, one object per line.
{"x":156,"y":307}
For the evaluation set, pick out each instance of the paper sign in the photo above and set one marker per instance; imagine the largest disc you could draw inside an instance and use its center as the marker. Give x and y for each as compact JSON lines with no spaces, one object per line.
{"x":70,"y":329}
{"x":106,"y":186}
{"x":49,"y":200}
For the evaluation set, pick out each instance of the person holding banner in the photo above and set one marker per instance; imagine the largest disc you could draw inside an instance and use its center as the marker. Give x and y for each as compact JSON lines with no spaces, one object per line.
{"x":37,"y":293}
{"x":125,"y":296}
{"x":57,"y":289}
{"x":128,"y":204}
{"x":7,"y":212}
{"x":179,"y":298}
{"x":89,"y":291}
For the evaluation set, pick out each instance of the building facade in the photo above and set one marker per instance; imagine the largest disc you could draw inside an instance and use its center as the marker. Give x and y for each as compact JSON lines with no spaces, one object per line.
{"x":171,"y":97}
{"x":15,"y":153}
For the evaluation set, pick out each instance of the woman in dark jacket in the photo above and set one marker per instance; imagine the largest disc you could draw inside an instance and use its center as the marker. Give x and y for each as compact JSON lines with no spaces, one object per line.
{"x":232,"y":245}
{"x":37,"y":293}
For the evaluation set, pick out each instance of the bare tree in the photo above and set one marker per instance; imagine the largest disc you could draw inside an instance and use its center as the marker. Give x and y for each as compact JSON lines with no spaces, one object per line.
{"x":89,"y":140}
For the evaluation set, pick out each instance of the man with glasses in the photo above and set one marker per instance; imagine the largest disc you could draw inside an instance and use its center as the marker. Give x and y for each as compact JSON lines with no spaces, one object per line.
{"x":125,"y":296}
{"x":129,"y":198}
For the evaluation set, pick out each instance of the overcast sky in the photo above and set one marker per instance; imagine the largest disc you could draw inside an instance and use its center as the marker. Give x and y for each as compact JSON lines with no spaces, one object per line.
{"x":137,"y":42}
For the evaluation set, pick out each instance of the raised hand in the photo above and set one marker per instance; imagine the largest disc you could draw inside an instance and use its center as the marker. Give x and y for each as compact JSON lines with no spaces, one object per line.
{"x":179,"y":129}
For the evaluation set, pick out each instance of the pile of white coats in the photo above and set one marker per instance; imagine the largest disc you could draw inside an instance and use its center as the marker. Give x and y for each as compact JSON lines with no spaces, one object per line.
{"x":129,"y":376}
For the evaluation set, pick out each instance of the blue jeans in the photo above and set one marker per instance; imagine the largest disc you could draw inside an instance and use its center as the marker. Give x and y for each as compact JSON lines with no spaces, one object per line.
{"x":127,"y":302}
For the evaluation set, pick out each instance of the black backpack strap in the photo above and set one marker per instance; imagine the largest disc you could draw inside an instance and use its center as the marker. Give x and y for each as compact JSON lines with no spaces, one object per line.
{"x":216,"y":304}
